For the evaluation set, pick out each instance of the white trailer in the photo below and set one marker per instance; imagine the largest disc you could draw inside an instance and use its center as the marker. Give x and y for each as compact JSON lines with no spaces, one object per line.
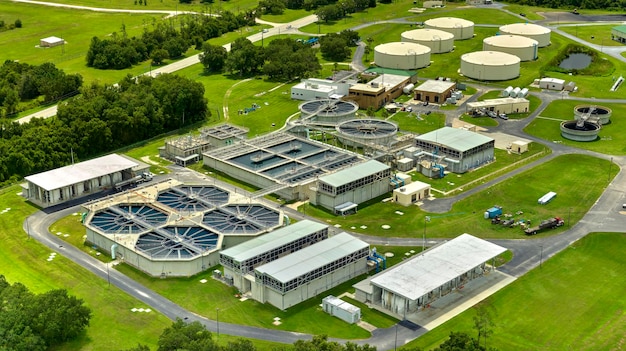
{"x":547,"y":198}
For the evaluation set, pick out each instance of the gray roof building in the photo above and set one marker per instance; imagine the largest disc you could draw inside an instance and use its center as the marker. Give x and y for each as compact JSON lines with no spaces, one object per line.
{"x":453,"y":138}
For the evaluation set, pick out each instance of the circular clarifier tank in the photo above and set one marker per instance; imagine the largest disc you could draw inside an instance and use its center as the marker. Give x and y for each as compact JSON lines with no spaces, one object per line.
{"x":573,"y":130}
{"x":601,"y":113}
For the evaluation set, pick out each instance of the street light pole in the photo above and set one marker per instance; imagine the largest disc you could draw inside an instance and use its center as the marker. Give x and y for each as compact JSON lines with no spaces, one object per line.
{"x":217,"y":311}
{"x":395,"y":344}
{"x":426,"y":219}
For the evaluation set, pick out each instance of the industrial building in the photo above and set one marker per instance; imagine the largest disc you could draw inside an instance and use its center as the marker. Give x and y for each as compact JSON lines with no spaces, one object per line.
{"x":300,"y":276}
{"x":314,"y":88}
{"x":435,"y":91}
{"x":413,"y":284}
{"x":51,"y":42}
{"x":169,"y":229}
{"x":188,"y":149}
{"x":618,"y":33}
{"x":523,"y":47}
{"x":438,"y":41}
{"x":551,"y":83}
{"x":529,"y":30}
{"x":461,"y":29}
{"x":501,"y":105}
{"x":280,"y":163}
{"x":240,"y":261}
{"x":490,"y":65}
{"x":379,"y":91}
{"x":327,"y":112}
{"x":402,"y":55}
{"x":342,"y":191}
{"x":71,"y":182}
{"x":411,"y":193}
{"x":455,"y":150}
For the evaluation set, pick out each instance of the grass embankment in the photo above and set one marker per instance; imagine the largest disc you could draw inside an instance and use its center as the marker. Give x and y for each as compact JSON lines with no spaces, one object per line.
{"x":113,"y":325}
{"x":610,"y":140}
{"x":575,"y":301}
{"x":578,"y":188}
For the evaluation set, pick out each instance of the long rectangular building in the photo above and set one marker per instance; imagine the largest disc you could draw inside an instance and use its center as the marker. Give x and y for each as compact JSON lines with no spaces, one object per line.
{"x":294,"y":278}
{"x":424,"y":278}
{"x":243,"y":258}
{"x":70,"y":182}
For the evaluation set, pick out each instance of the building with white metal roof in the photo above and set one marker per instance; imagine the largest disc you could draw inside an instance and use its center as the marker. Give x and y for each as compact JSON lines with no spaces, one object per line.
{"x":74,"y":181}
{"x":344,"y":190}
{"x":243,"y":258}
{"x":294,"y":278}
{"x":51,"y":42}
{"x":456,"y":150}
{"x":414,"y":283}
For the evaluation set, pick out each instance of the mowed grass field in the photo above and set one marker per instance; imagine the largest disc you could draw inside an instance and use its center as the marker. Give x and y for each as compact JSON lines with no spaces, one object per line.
{"x":113,"y":326}
{"x":76,"y":27}
{"x":610,"y":140}
{"x":169,"y":5}
{"x":577,"y":188}
{"x":575,"y":301}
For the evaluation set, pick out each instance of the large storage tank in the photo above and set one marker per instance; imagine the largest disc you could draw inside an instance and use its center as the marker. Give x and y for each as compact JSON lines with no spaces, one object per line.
{"x":401,"y":55}
{"x":522,"y":47}
{"x":490,"y":65}
{"x":437,"y":40}
{"x":529,"y":30}
{"x":460,"y":28}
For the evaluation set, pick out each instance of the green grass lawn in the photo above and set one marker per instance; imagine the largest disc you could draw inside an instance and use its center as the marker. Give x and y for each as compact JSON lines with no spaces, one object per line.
{"x":425,"y":123}
{"x":596,"y":34}
{"x":76,"y":27}
{"x":574,"y":302}
{"x":577,"y":189}
{"x":113,"y":326}
{"x":171,"y":5}
{"x":611,"y":140}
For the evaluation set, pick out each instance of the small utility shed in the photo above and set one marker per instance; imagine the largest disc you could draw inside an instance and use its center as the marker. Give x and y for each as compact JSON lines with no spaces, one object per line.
{"x":411,"y":193}
{"x":551,"y":83}
{"x":435,"y":91}
{"x":341,"y":309}
{"x":414,"y":283}
{"x":51,"y":42}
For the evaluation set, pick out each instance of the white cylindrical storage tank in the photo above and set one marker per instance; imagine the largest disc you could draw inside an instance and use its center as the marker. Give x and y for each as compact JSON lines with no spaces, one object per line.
{"x":401,"y":55}
{"x":515,"y":92}
{"x":437,"y":40}
{"x":507,"y":92}
{"x":529,"y":30}
{"x":408,"y":88}
{"x":522,"y":47}
{"x":490,"y":65}
{"x":523,"y":93}
{"x":460,"y":28}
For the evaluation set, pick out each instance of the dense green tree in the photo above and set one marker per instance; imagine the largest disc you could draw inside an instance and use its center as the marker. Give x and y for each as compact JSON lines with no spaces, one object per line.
{"x":272,"y":7}
{"x":213,"y":57}
{"x":158,"y":56}
{"x":287,"y":59}
{"x":334,"y":47}
{"x":244,"y":57}
{"x":187,"y":336}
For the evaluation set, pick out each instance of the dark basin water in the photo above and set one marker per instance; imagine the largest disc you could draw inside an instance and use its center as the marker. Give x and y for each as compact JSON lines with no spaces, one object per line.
{"x":576,"y":61}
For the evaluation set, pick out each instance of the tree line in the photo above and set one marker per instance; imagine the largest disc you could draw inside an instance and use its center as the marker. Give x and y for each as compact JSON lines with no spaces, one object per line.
{"x":102,"y":119}
{"x":194,"y":337}
{"x":36,"y":322}
{"x":21,"y":82}
{"x":611,"y":5}
{"x":166,"y":40}
{"x":282,"y":59}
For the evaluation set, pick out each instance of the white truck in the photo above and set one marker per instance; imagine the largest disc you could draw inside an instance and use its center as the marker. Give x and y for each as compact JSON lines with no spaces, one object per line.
{"x":143,"y":177}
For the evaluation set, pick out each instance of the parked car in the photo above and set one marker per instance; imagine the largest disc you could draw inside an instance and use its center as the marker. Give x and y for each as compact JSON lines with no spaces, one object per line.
{"x":503,"y":116}
{"x":492,"y":114}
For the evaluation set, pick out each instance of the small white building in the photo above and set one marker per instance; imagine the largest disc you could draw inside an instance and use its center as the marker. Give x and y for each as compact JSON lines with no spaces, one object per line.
{"x":411,"y":193}
{"x":341,"y":309}
{"x":500,"y":105}
{"x":519,"y":146}
{"x":551,"y":83}
{"x":51,"y":42}
{"x":314,"y":88}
